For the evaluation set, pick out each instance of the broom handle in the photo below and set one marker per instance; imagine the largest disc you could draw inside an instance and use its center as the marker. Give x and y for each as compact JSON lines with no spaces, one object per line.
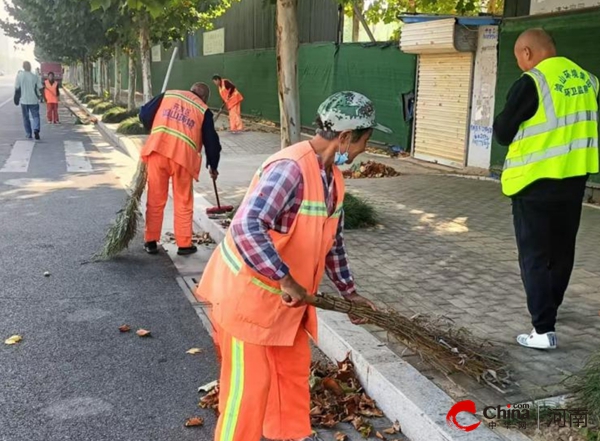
{"x":216,"y":193}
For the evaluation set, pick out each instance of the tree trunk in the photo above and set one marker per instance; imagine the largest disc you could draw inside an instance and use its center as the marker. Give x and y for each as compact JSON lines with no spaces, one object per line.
{"x":145,"y":53}
{"x":287,"y":71}
{"x":99,"y":77}
{"x":117,"y":94}
{"x":106,"y":80}
{"x":87,"y":77}
{"x":356,"y":21}
{"x":131,"y":84}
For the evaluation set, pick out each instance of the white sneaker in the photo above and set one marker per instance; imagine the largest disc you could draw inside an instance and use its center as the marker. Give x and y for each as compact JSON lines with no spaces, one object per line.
{"x":538,"y":341}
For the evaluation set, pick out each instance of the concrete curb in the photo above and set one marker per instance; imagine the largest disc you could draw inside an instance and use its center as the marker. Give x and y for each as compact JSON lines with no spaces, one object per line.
{"x":400,"y":390}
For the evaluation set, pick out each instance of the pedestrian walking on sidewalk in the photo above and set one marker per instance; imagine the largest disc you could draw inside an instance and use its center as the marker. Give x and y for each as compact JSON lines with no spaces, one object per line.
{"x":286,"y":234}
{"x":28,"y":85}
{"x":181,"y":123}
{"x":550,"y":122}
{"x":51,"y":96}
{"x":232,"y":99}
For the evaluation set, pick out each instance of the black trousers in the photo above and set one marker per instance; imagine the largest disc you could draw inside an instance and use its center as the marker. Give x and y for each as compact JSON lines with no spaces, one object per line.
{"x":546,"y":231}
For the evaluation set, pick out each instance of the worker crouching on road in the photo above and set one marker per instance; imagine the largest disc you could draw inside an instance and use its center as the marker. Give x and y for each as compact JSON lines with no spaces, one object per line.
{"x":550,"y":123}
{"x":232,"y":99}
{"x":286,"y":234}
{"x":182,"y":123}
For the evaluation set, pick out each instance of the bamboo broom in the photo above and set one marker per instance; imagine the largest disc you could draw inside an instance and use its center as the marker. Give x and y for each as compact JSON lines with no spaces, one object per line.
{"x":125,"y":228}
{"x":445,"y":347}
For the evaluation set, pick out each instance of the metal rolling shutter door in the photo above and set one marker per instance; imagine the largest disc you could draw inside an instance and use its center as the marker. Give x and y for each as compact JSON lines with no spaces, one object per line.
{"x":442,"y":107}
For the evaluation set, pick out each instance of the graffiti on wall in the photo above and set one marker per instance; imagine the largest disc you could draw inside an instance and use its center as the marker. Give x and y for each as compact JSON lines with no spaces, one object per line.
{"x":482,"y":107}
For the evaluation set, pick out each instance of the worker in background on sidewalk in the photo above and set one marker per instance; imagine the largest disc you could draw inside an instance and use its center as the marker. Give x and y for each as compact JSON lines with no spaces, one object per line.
{"x":181,"y":123}
{"x":232,"y":99}
{"x":286,"y":234}
{"x":550,"y":123}
{"x":51,"y":95}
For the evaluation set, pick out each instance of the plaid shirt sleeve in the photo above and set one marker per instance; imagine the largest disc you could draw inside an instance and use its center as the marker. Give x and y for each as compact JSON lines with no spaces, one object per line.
{"x":274,"y":195}
{"x":336,"y":263}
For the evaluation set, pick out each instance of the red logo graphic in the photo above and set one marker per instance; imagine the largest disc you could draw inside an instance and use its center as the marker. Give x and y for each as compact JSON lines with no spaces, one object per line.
{"x":462,"y":406}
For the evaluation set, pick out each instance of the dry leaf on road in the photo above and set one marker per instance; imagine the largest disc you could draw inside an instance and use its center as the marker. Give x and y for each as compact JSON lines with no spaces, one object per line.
{"x":124,"y":328}
{"x":143,"y":333}
{"x":339,"y":436}
{"x":394,"y":429}
{"x":194,"y":422}
{"x":13,"y":340}
{"x":379,"y":435}
{"x":194,"y":351}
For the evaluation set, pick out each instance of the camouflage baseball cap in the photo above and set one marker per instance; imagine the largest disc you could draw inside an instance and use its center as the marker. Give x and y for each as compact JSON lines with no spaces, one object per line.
{"x":349,"y":111}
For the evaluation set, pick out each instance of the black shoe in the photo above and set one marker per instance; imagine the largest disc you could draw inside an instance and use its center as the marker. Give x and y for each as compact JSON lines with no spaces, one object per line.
{"x":37,"y":135}
{"x":187,"y":251}
{"x":151,"y":247}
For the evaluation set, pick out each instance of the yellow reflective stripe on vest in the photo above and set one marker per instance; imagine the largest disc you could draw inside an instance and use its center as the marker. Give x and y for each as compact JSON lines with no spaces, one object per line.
{"x":551,"y":152}
{"x":229,"y":258}
{"x":313,"y":208}
{"x":338,"y":211}
{"x":552,"y":121}
{"x":235,"y":265}
{"x":186,"y":99}
{"x":175,"y":133}
{"x":266,"y":287}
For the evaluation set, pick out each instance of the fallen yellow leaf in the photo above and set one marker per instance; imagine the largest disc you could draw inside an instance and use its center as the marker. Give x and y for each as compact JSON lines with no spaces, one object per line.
{"x":194,"y":351}
{"x":143,"y":333}
{"x":194,"y":422}
{"x":339,"y":436}
{"x":13,"y":340}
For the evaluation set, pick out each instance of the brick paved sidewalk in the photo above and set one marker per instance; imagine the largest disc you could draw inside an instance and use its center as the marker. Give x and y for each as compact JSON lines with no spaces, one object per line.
{"x":446,"y":246}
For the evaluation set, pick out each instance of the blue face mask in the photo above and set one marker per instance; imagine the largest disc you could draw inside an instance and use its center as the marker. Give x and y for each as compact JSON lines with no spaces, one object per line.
{"x":340,"y":158}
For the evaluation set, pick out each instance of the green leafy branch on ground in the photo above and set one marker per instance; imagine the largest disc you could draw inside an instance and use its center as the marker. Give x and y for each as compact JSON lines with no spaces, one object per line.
{"x":358,"y":213}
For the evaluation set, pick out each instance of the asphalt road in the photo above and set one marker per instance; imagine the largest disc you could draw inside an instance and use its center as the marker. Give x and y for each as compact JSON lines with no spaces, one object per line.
{"x":74,"y":376}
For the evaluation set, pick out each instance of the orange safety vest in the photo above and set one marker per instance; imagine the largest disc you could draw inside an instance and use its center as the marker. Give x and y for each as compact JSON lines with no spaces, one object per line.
{"x":248,"y":305}
{"x":177,"y":130}
{"x":51,"y":92}
{"x":236,"y":96}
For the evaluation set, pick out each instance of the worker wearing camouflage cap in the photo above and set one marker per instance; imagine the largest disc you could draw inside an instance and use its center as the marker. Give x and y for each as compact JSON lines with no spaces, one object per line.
{"x":286,"y":234}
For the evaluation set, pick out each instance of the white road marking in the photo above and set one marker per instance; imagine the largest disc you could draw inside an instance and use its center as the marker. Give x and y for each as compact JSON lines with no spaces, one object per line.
{"x":77,"y":160}
{"x":10,"y":100}
{"x":20,"y":155}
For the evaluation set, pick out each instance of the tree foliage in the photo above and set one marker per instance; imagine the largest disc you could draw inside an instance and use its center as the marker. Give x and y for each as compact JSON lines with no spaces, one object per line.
{"x":387,"y":11}
{"x":62,"y":30}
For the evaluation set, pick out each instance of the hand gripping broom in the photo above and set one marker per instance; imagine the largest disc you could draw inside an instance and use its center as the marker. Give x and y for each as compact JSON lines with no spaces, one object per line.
{"x":125,"y":228}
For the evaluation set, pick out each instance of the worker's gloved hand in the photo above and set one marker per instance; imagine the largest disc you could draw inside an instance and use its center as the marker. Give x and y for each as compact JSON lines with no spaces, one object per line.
{"x":359,"y":300}
{"x":213,"y":174}
{"x":294,"y":294}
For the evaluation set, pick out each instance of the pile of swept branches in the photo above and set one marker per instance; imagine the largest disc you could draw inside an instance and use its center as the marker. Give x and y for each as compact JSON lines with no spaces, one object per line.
{"x":446,"y":348}
{"x":370,"y":169}
{"x":125,"y":228}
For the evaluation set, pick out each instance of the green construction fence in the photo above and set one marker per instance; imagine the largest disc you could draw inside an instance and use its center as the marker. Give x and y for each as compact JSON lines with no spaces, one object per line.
{"x":381,"y":72}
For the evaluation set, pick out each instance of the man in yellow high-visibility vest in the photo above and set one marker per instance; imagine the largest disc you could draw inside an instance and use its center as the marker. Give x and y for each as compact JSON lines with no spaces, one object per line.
{"x":550,"y":123}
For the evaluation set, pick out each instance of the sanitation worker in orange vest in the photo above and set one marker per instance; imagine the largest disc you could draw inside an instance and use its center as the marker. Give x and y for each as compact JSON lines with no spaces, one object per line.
{"x":232,"y":98}
{"x":182,"y":124}
{"x":51,"y":95}
{"x":287,"y":233}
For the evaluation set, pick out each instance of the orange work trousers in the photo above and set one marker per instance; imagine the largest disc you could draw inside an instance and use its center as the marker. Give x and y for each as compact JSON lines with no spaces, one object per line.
{"x":160,"y":170}
{"x":264,"y":390}
{"x":235,"y":118}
